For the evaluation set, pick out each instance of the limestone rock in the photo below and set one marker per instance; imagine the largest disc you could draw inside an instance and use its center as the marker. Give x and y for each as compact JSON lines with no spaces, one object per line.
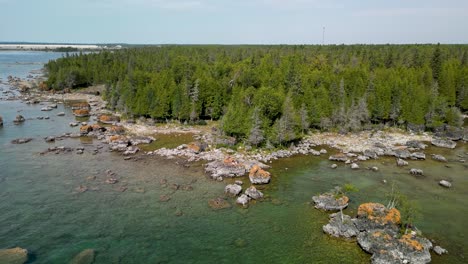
{"x":401,"y":162}
{"x":334,"y":166}
{"x":445,"y":184}
{"x":341,"y":228}
{"x":439,"y":158}
{"x":233,"y":189}
{"x":14,"y":255}
{"x":253,"y":193}
{"x":444,"y":143}
{"x":354,"y":166}
{"x":243,"y":200}
{"x":439,"y":250}
{"x":19,"y":119}
{"x":418,"y":156}
{"x":258,"y":175}
{"x":338,"y":157}
{"x":21,"y":140}
{"x":416,"y":172}
{"x":415,"y":144}
{"x":329,"y":202}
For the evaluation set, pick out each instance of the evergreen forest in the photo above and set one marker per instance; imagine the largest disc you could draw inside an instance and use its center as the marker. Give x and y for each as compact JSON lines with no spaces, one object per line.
{"x":275,"y":94}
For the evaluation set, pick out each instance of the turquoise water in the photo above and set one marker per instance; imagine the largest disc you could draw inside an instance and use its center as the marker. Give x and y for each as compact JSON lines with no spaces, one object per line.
{"x":43,"y":212}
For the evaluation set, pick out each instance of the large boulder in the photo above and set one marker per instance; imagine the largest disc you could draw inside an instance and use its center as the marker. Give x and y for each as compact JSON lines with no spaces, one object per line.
{"x":443,"y":143}
{"x":258,"y":175}
{"x":84,"y":257}
{"x":341,"y":226}
{"x":13,"y":255}
{"x":386,"y":247}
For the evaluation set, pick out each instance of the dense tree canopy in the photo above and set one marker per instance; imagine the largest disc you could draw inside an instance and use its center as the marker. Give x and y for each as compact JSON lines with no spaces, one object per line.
{"x":275,"y":93}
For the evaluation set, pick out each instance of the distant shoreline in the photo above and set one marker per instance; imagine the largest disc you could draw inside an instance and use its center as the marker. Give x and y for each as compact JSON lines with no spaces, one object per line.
{"x":59,"y":47}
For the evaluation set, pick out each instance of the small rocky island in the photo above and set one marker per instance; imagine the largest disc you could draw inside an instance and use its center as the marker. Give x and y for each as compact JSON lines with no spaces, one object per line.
{"x":377,"y":229}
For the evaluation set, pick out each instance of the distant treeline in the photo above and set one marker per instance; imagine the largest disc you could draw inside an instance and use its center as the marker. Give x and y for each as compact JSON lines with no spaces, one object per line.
{"x":275,"y":93}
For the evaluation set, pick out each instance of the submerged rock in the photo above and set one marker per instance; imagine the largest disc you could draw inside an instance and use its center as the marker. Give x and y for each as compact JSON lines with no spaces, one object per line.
{"x":259,"y":176}
{"x":445,"y":184}
{"x":339,"y":226}
{"x":19,"y":119}
{"x":444,"y":143}
{"x":440,"y":251}
{"x":84,"y":257}
{"x":13,"y":255}
{"x":219,"y":203}
{"x":439,"y":158}
{"x":416,"y":172}
{"x":21,"y":140}
{"x":401,"y":162}
{"x":338,"y":157}
{"x":233,"y":189}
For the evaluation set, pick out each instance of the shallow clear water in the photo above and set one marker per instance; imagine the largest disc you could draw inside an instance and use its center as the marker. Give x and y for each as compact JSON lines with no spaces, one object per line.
{"x":43,"y":212}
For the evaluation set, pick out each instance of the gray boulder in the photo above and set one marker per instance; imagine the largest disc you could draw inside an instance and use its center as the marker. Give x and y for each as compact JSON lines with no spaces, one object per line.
{"x":338,"y":157}
{"x":445,"y":184}
{"x":416,"y":172}
{"x":402,"y":154}
{"x":19,"y":119}
{"x":415,"y":144}
{"x":370,"y":153}
{"x":439,"y":158}
{"x":401,"y":162}
{"x":253,"y":193}
{"x":418,"y":156}
{"x":442,"y":143}
{"x":243,"y":200}
{"x":21,"y":140}
{"x":354,"y":166}
{"x":439,"y":250}
{"x":341,"y":226}
{"x":233,"y":189}
{"x":329,"y":202}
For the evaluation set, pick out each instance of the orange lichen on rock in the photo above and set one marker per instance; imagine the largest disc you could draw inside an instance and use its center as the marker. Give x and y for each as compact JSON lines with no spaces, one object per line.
{"x":108,"y":118}
{"x":411,"y":242}
{"x":96,"y":127}
{"x":81,"y":112}
{"x":86,"y":128}
{"x":117,"y":129}
{"x":230,"y":161}
{"x":259,"y":172}
{"x":378,"y":213}
{"x":81,"y":105}
{"x":385,"y":236}
{"x":116,"y":138}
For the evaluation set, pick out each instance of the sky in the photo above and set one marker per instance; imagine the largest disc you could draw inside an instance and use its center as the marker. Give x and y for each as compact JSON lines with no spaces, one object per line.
{"x":234,"y":22}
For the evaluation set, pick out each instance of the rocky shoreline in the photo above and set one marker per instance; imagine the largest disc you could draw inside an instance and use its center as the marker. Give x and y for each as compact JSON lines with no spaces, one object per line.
{"x":126,"y":137}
